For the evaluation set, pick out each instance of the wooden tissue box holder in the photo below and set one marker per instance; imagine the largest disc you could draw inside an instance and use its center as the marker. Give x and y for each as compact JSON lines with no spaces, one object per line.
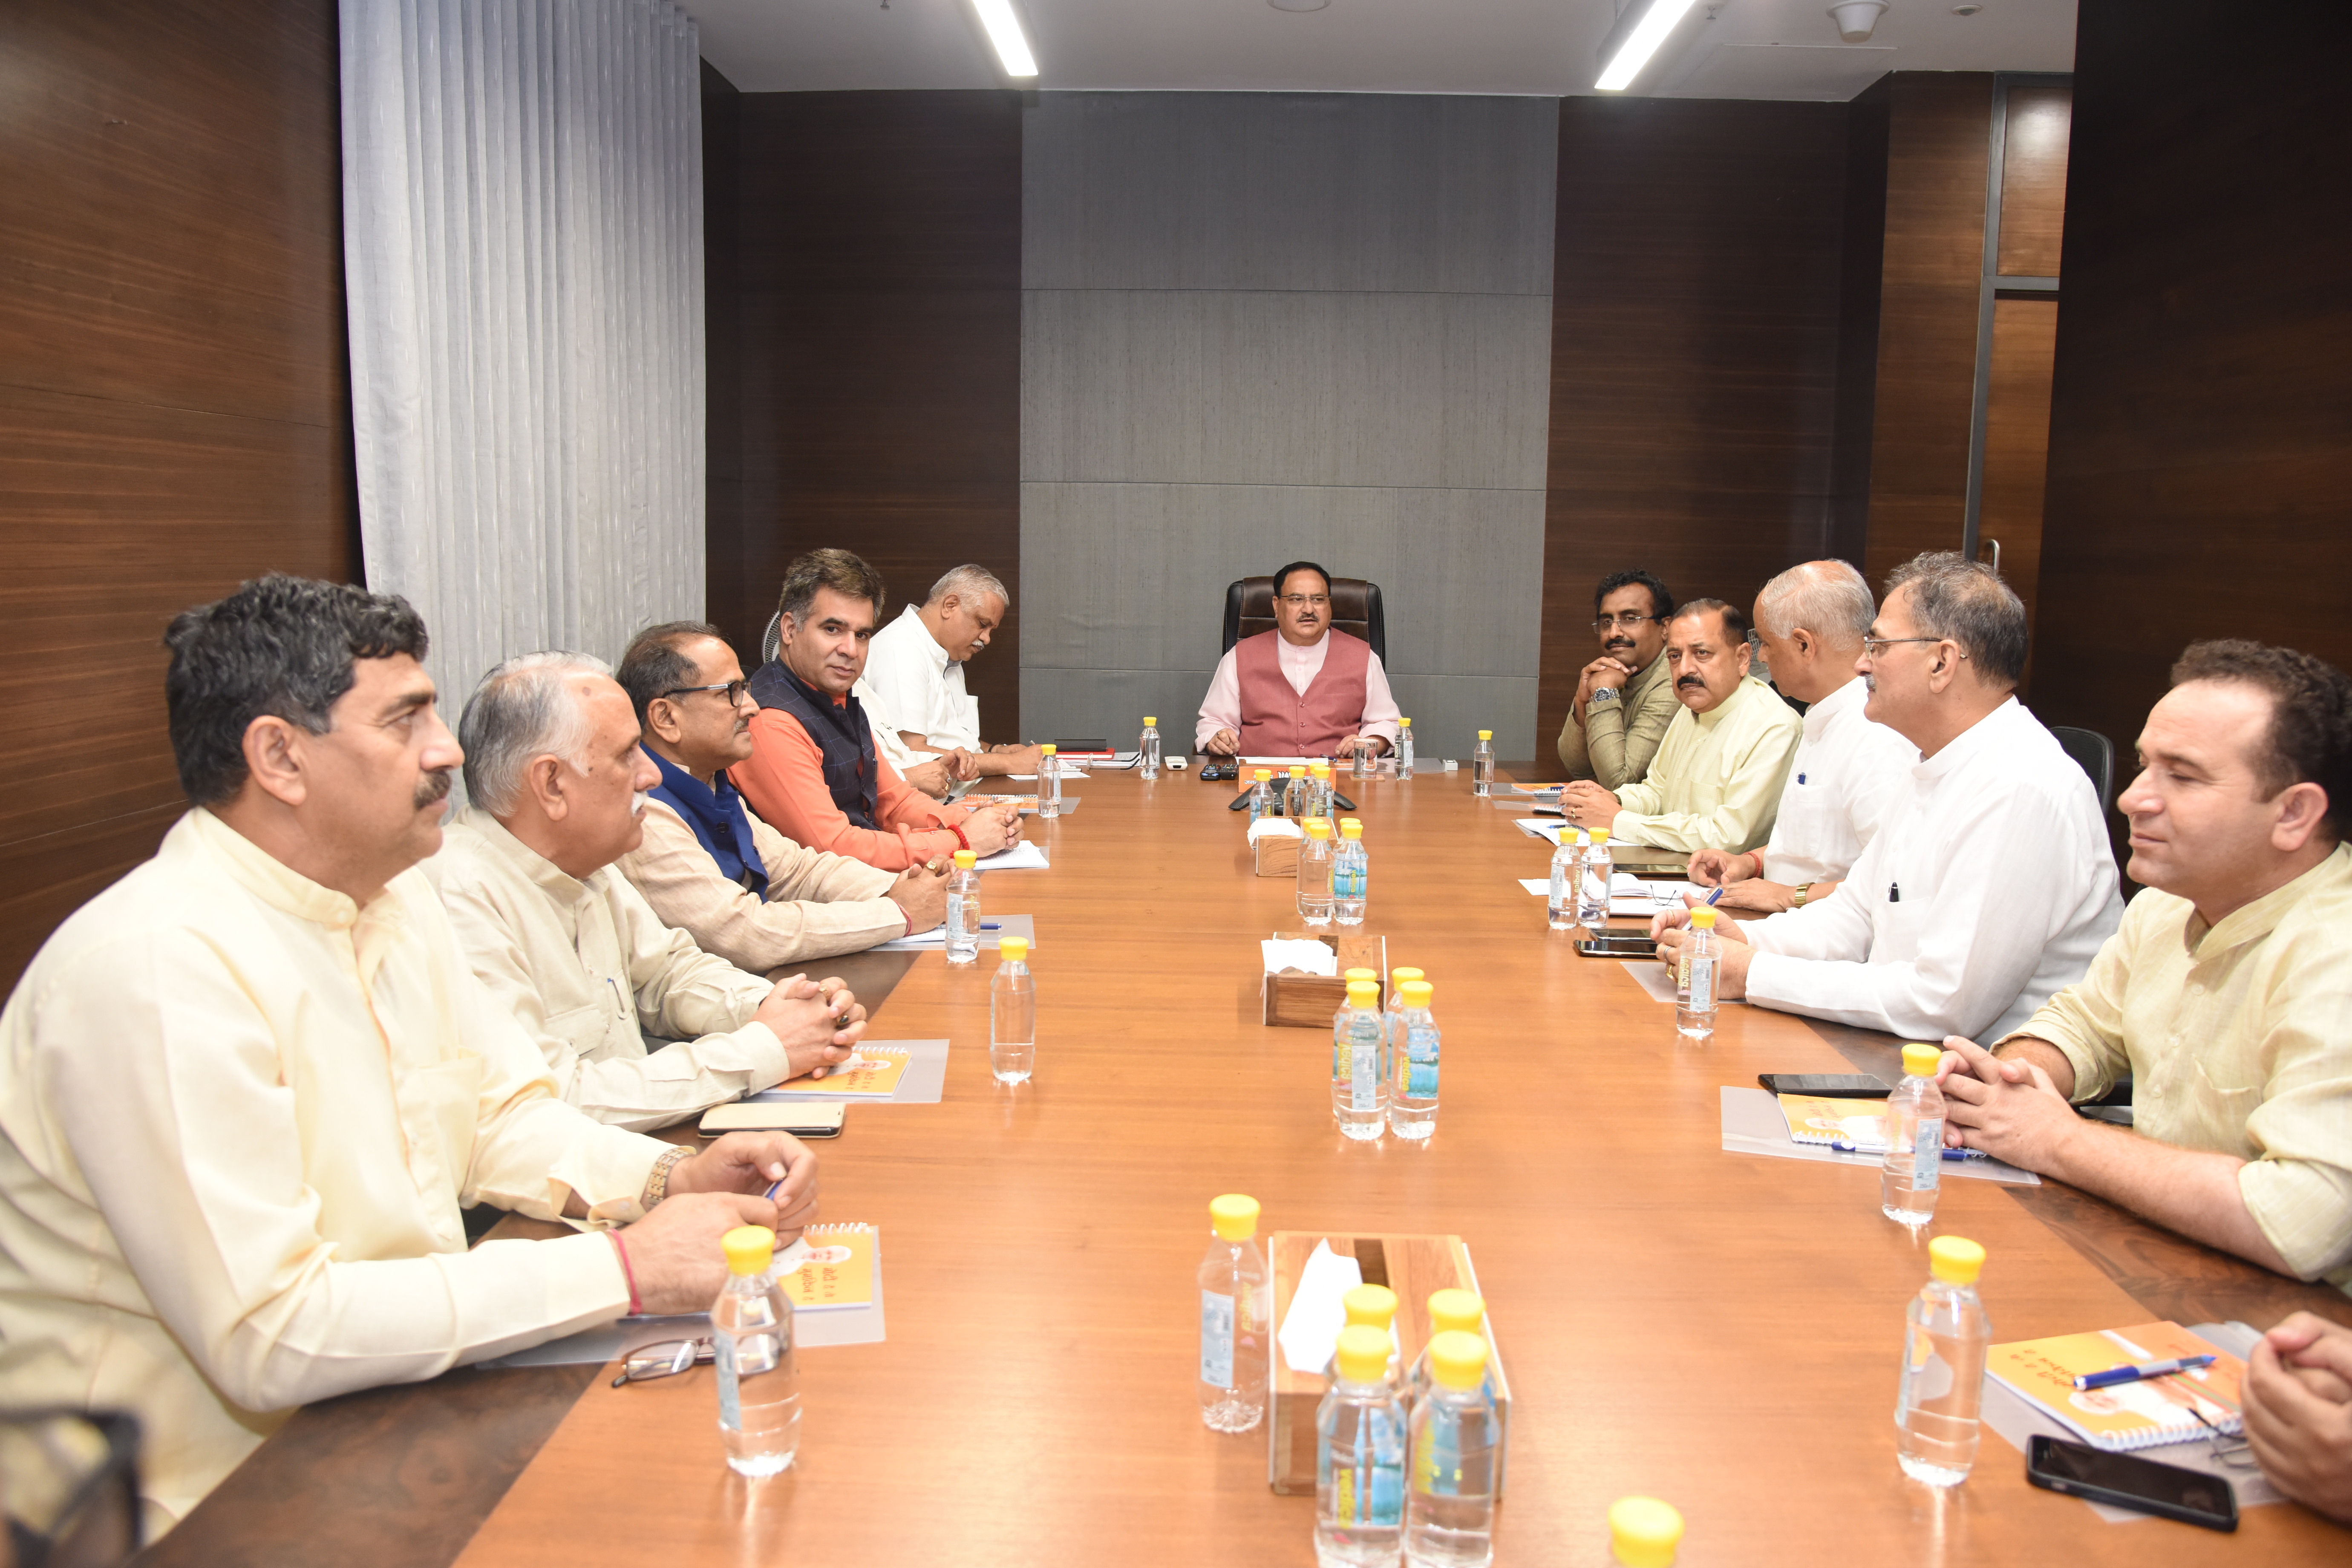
{"x":1413,"y":1267}
{"x":1307,"y":1001}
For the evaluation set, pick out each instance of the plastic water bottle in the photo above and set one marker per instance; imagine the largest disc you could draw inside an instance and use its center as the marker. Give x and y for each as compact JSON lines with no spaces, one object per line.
{"x":1944,"y":1340}
{"x":1318,"y":784}
{"x":1262,"y":804}
{"x":1449,"y":1311}
{"x":963,"y":911}
{"x":1374,"y":1307}
{"x":1359,"y":1454}
{"x":1013,"y":1013}
{"x":1351,"y":873}
{"x":1566,"y":881}
{"x":1340,"y":1016}
{"x":1482,"y":766}
{"x":1049,"y":782}
{"x":1148,"y":767}
{"x":1404,"y":748}
{"x":1359,"y":1078}
{"x":751,"y":1341}
{"x":1914,"y":1166}
{"x":1592,"y":892}
{"x":1397,"y":977}
{"x":1413,"y":1102}
{"x":1237,"y":1305}
{"x":1314,"y":855}
{"x":1449,"y":1511}
{"x":1643,"y":1532}
{"x":1297,"y":800}
{"x":1695,"y":1001}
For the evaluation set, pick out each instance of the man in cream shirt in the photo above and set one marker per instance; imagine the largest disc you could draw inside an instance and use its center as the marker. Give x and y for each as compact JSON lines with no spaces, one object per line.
{"x":248,"y":1087}
{"x":556,"y":780}
{"x":1717,"y":777}
{"x":1847,"y":770}
{"x":912,"y":688}
{"x":1990,"y":885}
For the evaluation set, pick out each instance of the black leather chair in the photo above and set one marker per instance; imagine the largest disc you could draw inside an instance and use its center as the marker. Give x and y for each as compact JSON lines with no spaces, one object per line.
{"x":1355,"y":609}
{"x":2095,"y":755}
{"x":770,"y":640}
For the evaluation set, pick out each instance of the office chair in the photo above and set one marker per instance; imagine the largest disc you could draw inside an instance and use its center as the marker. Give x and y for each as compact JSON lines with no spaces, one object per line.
{"x":768,"y":641}
{"x":2095,"y":755}
{"x":1355,"y":609}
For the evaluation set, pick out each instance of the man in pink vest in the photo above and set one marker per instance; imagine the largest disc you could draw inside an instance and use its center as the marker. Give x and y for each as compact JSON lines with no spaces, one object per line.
{"x":1301,"y":689}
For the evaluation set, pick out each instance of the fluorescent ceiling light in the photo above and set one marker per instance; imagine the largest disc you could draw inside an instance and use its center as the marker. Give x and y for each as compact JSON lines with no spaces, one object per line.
{"x":1639,"y":43}
{"x":1004,"y":32}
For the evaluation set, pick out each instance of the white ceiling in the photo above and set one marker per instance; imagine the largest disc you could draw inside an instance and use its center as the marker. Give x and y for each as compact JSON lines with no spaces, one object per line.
{"x":1726,"y":48}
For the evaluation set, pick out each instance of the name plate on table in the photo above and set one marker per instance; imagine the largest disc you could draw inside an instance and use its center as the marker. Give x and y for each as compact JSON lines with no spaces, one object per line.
{"x":1307,"y":1001}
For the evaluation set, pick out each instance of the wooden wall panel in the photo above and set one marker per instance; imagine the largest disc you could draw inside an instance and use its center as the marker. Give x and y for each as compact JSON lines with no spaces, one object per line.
{"x":722,"y":124}
{"x":2200,"y":481}
{"x":2017,"y":439}
{"x":1694,"y":349}
{"x":879,"y":277}
{"x":2033,"y":180}
{"x":174,"y":399}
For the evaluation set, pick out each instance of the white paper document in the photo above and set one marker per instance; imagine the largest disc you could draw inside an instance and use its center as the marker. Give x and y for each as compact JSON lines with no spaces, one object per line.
{"x":1306,"y":957}
{"x":1022,"y":857}
{"x":993,"y":930}
{"x":1544,"y":827}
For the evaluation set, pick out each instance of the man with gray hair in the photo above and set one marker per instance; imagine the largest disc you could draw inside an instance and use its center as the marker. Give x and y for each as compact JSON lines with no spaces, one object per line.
{"x":913,"y":689}
{"x":1990,"y":887}
{"x":557,"y":785}
{"x":1812,"y":620}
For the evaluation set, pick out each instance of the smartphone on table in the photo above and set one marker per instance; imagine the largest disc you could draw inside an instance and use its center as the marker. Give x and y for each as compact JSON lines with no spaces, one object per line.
{"x":1625,"y":944}
{"x":1825,"y":1085}
{"x":2127,"y":1480}
{"x":801,"y":1119}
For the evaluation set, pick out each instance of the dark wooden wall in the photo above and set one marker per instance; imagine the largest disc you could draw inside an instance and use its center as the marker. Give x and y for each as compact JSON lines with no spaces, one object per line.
{"x":2201,"y":444}
{"x":174,"y":413}
{"x":876,"y":275}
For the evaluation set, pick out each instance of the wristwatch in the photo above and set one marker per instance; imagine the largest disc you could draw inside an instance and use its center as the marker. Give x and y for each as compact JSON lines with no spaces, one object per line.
{"x":1604,"y":694}
{"x":1803,"y":889}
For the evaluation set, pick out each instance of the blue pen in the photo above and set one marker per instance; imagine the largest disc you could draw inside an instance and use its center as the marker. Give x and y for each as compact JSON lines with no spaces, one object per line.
{"x":1876,"y":1150}
{"x":2134,"y":1373}
{"x":1713,"y":894}
{"x":991,"y":925}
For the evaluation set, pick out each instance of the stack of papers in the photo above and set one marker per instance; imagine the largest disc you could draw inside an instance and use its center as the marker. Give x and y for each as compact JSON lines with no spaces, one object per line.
{"x":1022,"y":857}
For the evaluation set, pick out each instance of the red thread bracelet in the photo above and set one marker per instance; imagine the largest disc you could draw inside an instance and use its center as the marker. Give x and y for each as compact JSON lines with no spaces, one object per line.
{"x":636,"y":1304}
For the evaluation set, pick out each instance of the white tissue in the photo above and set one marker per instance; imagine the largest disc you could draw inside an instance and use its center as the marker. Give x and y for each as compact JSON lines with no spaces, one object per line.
{"x":1306,"y":957}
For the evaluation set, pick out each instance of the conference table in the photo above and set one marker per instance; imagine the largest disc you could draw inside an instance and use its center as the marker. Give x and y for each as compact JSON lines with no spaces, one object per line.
{"x":1715,"y":1328}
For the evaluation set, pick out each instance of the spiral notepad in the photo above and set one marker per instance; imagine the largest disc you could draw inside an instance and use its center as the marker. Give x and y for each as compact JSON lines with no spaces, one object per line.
{"x":839,"y":1269}
{"x":2143,"y":1414}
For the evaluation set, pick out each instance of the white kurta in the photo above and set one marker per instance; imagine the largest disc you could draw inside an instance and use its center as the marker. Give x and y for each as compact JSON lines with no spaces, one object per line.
{"x":910,"y":683}
{"x":1988,"y":887}
{"x":1847,"y":775}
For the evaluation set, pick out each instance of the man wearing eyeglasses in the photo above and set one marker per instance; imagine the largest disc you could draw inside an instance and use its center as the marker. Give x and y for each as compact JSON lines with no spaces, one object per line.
{"x":711,"y":869}
{"x":1302,"y":689}
{"x":1625,"y":700}
{"x":1990,"y":885}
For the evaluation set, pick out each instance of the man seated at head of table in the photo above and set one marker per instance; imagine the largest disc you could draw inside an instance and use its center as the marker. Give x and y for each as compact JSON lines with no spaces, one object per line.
{"x":248,"y":1087}
{"x":1716,"y":780}
{"x":1625,"y":699}
{"x":1303,"y":689}
{"x":815,"y":774}
{"x":556,"y":785}
{"x":1812,"y":620}
{"x":708,"y":867}
{"x":913,"y":688}
{"x":2227,"y":995}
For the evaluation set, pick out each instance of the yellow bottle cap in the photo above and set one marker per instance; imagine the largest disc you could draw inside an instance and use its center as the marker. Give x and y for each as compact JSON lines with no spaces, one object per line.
{"x":749,"y":1248}
{"x":1299,"y":770}
{"x":1414,"y":993}
{"x":1955,"y":1259}
{"x":1364,"y":1349}
{"x":1703,"y":918}
{"x":1233,"y":1216}
{"x":1486,"y":734}
{"x":1919,"y":1061}
{"x":1149,"y":722}
{"x":1370,"y":1304}
{"x":1643,"y":1532}
{"x":1317,"y":826}
{"x":1601,"y":835}
{"x":964,"y":859}
{"x":1364,"y":993}
{"x":1319,"y":769}
{"x":1404,"y":723}
{"x":1359,"y":974}
{"x":1401,"y":975}
{"x":1013,"y":947}
{"x":1350,"y":828}
{"x":1457,"y":1360}
{"x":1264,"y":774}
{"x":1455,"y":1312}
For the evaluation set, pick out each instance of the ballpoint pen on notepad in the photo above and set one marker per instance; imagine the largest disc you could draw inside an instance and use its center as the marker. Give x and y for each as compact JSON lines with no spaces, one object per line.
{"x":2134,"y":1372}
{"x":1876,"y":1148}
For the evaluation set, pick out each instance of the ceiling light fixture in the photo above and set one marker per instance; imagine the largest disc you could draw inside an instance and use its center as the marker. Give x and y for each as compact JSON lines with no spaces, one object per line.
{"x":1634,"y":38}
{"x":1855,"y":19}
{"x":1004,"y":32}
{"x":1299,"y":5}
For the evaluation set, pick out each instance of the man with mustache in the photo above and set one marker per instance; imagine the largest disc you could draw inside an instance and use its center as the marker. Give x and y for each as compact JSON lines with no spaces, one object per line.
{"x":556,"y":783}
{"x":913,"y":687}
{"x":1716,"y":781}
{"x":708,"y":867}
{"x":1623,"y":698}
{"x":247,"y":1088}
{"x":815,"y":772}
{"x":1302,"y":689}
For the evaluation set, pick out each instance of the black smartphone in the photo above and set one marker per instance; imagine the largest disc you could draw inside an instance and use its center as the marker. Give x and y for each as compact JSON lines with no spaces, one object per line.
{"x":2127,"y":1480}
{"x":1619,"y":945}
{"x":1827,"y":1085}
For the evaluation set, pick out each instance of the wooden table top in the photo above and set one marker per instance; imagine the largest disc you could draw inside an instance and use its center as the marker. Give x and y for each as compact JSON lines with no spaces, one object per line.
{"x":1718,"y":1329}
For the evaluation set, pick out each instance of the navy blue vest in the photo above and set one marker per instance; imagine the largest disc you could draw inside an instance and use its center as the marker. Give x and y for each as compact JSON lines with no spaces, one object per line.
{"x":851,"y":774}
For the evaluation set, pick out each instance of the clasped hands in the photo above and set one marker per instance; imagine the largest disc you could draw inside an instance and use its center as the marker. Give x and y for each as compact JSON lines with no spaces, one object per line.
{"x":818,"y":1022}
{"x":674,"y":1254}
{"x":1227,"y":743}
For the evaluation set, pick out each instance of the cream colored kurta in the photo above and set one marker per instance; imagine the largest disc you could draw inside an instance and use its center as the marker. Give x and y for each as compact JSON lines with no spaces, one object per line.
{"x":587,"y":968}
{"x":817,"y":904}
{"x":240,"y":1115}
{"x":1716,"y":782}
{"x":2237,"y":1036}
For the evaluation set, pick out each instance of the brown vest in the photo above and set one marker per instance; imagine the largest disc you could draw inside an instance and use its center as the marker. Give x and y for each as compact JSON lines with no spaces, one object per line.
{"x":1279,"y":722}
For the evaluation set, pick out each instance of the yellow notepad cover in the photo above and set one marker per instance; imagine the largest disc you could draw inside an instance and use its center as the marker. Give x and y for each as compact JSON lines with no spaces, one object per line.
{"x":842,"y":1272}
{"x":2128,"y":1415}
{"x":1818,"y":1119}
{"x":874,"y":1070}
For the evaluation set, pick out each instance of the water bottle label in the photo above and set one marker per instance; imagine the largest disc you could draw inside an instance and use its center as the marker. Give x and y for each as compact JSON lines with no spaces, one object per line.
{"x":1927,"y":1154}
{"x":1216,"y":1339}
{"x":1365,"y":1493}
{"x":1437,"y":1466}
{"x":955,"y":914}
{"x":1420,"y":1081}
{"x":1702,"y":984}
{"x":731,"y":1399}
{"x":1364,"y":1076}
{"x":1421,"y":1044}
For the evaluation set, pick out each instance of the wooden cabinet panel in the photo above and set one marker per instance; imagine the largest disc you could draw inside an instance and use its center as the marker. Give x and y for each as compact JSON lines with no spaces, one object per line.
{"x":2017,"y":440}
{"x":2033,"y":180}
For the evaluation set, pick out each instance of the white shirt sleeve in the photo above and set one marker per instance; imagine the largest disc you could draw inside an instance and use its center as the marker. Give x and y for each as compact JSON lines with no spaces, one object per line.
{"x":1380,"y":710}
{"x":1222,"y":709}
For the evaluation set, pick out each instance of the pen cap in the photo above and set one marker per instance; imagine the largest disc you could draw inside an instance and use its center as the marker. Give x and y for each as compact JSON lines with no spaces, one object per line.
{"x":964,"y":859}
{"x":1414,"y":993}
{"x":1643,"y":1532}
{"x":1015,"y":948}
{"x":1364,"y":993}
{"x":749,"y":1248}
{"x":1455,"y":1312}
{"x":1350,"y":828}
{"x":1457,"y":1360}
{"x":1955,"y":1259}
{"x":1919,"y":1061}
{"x":1372,"y":1305}
{"x":1703,"y":918}
{"x":1150,"y":722}
{"x":1233,"y":1216}
{"x":1363,"y":1348}
{"x":1317,"y":826}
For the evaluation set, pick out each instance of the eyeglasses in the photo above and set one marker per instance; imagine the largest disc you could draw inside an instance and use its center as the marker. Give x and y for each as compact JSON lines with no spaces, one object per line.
{"x":734,"y":689}
{"x":1301,"y":601}
{"x":1628,"y":619}
{"x":2230,"y":1449}
{"x":667,"y":1359}
{"x":1872,"y":646}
